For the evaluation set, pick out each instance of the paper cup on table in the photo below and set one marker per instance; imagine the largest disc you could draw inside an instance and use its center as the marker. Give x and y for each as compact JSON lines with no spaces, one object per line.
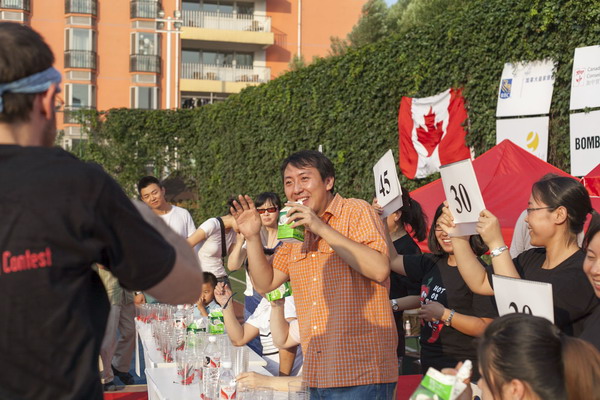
{"x":298,"y":390}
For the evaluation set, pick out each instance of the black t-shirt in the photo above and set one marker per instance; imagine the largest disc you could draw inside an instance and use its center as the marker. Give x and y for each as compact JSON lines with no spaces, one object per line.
{"x":59,"y":217}
{"x":591,"y":328}
{"x":443,"y":346}
{"x":573,"y":296}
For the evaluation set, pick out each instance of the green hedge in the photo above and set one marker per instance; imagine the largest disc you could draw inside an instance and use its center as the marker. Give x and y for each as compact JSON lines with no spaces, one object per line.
{"x":349,"y":103}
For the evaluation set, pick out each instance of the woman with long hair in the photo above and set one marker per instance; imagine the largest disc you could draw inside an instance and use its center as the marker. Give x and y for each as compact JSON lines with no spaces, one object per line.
{"x":526,"y":357}
{"x":557,"y":210}
{"x":452,"y":315}
{"x":591,"y":268}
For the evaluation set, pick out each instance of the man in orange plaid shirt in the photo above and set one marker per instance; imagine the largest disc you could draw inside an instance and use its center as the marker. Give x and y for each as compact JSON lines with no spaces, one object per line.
{"x":340,"y":279}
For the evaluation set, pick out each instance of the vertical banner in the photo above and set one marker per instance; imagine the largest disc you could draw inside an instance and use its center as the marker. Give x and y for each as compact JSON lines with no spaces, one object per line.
{"x":526,"y":88}
{"x":585,"y":83}
{"x":530,"y":134}
{"x":585,"y":142}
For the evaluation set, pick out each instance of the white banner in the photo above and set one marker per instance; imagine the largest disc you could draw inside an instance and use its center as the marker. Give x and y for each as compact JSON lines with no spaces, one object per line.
{"x":585,"y":83}
{"x":585,"y":142}
{"x":530,"y":134}
{"x":525,"y":88}
{"x":523,"y":296}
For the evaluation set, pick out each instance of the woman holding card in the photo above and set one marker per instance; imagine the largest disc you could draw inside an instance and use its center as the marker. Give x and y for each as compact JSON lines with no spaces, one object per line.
{"x":452,"y":314}
{"x":557,"y":210}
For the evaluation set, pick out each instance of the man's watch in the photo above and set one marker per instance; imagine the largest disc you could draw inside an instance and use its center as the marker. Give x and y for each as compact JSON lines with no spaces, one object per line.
{"x":395,"y":306}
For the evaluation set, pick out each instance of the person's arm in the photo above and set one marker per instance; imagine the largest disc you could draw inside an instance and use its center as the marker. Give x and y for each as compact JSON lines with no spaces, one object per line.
{"x":360,"y":257}
{"x":280,"y":327}
{"x":264,"y":277}
{"x":408,"y":302}
{"x":471,"y":270}
{"x":467,"y":324}
{"x":286,"y":361}
{"x":196,"y":237}
{"x":184,"y":283}
{"x":252,"y":380}
{"x":237,"y":255}
{"x":238,"y":334}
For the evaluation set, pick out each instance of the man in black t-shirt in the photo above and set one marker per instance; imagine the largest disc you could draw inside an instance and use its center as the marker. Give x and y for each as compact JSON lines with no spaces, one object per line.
{"x":59,"y":216}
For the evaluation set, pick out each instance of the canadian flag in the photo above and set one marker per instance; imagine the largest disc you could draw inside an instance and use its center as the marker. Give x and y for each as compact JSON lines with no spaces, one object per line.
{"x":431,"y":133}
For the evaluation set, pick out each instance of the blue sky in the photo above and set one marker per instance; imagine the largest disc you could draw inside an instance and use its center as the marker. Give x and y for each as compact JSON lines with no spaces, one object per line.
{"x":390,"y":2}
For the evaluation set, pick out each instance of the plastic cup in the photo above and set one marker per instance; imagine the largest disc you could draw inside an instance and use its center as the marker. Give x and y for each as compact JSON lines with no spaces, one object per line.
{"x":298,"y":390}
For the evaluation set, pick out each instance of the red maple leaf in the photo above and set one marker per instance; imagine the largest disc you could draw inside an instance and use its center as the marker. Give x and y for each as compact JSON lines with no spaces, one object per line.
{"x":430,"y":135}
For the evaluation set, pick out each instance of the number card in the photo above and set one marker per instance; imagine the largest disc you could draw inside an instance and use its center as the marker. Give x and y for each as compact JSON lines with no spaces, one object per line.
{"x":523,"y":296}
{"x":463,"y":195}
{"x":387,"y":185}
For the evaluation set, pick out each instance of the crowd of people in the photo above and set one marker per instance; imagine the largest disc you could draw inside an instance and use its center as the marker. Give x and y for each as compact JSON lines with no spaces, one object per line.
{"x":67,"y":224}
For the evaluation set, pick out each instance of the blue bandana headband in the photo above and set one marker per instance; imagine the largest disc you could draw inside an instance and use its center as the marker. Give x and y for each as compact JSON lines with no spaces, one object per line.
{"x":36,"y":83}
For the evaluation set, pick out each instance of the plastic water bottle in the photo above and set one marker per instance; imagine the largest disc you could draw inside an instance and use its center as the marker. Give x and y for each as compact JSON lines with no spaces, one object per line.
{"x":180,"y":328}
{"x":210,"y":370}
{"x":227,"y":383}
{"x":407,"y":328}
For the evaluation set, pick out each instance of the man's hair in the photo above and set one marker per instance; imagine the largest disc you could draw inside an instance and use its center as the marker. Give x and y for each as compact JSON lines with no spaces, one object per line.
{"x":147,"y":181}
{"x":310,"y":158}
{"x":23,"y":52}
{"x":210,"y":278}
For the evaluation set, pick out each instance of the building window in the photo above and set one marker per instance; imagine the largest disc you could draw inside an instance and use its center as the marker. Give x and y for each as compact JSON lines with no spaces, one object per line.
{"x":218,"y":6}
{"x":80,"y":48}
{"x":145,"y":43}
{"x":219,"y":58}
{"x":144,"y":97}
{"x":78,"y":96}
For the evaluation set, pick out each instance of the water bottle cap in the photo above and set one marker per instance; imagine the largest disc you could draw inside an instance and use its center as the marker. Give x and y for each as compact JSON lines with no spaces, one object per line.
{"x":226,"y":364}
{"x":212,"y":339}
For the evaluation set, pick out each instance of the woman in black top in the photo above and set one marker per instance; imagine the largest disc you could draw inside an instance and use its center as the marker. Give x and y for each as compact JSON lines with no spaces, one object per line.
{"x":404,"y":294}
{"x":557,"y":210}
{"x":591,"y":267}
{"x":452,"y":315}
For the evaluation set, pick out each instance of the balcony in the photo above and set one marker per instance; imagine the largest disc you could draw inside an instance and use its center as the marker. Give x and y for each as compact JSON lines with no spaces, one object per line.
{"x":16,"y":4}
{"x":221,"y":79}
{"x":144,"y":9}
{"x":81,"y":7}
{"x":223,"y":27}
{"x":80,"y":59}
{"x":144,"y":63}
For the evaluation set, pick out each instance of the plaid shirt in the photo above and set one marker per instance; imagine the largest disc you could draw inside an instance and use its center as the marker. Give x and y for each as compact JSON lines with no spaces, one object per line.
{"x":347,"y":327}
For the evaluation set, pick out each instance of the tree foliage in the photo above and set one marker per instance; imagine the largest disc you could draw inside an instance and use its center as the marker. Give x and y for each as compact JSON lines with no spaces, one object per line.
{"x":349,"y":103}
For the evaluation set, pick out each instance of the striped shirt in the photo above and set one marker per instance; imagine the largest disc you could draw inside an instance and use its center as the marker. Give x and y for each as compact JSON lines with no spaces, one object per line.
{"x":347,"y":328}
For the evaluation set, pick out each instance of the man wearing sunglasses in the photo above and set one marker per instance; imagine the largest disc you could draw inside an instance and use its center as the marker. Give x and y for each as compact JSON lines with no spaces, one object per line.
{"x":59,"y":217}
{"x":340,"y":279}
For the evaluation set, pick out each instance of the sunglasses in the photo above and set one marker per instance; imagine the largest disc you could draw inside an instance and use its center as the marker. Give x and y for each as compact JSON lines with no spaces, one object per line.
{"x":264,"y":210}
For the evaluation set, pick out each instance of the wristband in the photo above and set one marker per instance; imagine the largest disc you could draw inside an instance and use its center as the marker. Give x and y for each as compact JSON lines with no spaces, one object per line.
{"x":136,"y":293}
{"x":499,"y":250}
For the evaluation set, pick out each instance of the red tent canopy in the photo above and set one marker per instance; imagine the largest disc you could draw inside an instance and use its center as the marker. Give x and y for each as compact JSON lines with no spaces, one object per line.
{"x":505,"y":174}
{"x":592,"y":181}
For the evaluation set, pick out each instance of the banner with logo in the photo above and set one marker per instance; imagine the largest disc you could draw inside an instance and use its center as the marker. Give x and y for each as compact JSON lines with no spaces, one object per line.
{"x":585,"y":142}
{"x":526,"y":88}
{"x":530,"y":134}
{"x":431,"y":133}
{"x":585,"y":83}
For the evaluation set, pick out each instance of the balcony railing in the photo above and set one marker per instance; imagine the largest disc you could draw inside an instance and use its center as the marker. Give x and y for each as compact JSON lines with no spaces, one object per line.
{"x":76,"y":115}
{"x":233,"y":22}
{"x":80,"y":59}
{"x":145,"y":9}
{"x":144,"y":63}
{"x":81,"y":7}
{"x":225,"y":73}
{"x":16,"y":4}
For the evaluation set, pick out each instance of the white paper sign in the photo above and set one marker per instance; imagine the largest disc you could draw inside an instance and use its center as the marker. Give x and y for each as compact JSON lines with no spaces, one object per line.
{"x":463,"y":196}
{"x":523,"y":296}
{"x":387,"y":185}
{"x":530,"y":134}
{"x":525,"y":88}
{"x":585,"y":82}
{"x":585,"y":142}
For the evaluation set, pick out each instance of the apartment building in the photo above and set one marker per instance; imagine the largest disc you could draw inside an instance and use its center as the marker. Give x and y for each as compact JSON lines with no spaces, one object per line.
{"x":166,"y":54}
